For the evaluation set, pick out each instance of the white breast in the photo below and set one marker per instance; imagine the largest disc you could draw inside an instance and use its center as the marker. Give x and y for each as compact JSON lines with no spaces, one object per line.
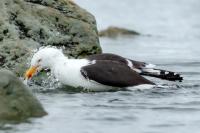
{"x":68,"y":72}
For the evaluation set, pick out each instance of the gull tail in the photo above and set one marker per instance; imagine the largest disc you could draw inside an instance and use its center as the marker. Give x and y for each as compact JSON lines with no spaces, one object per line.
{"x":159,"y":73}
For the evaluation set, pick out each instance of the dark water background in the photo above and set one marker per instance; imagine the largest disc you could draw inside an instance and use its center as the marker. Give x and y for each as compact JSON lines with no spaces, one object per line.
{"x":171,"y":36}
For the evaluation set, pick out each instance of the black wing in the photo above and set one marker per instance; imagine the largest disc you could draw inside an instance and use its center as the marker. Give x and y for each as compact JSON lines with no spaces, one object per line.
{"x":114,"y":57}
{"x":162,"y":74}
{"x":113,"y":73}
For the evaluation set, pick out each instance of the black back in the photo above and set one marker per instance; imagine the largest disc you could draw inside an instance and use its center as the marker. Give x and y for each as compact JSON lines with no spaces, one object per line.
{"x":171,"y":76}
{"x":113,"y":57}
{"x":113,"y":73}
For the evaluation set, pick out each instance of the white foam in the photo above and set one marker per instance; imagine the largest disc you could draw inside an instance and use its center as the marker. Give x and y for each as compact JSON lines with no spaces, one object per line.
{"x":25,"y":82}
{"x":141,"y":87}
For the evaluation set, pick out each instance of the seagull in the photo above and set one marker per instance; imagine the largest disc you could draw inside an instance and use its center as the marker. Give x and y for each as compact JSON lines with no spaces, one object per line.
{"x":100,"y":72}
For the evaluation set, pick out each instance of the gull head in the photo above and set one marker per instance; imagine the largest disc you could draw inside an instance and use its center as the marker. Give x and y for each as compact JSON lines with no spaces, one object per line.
{"x":44,"y":58}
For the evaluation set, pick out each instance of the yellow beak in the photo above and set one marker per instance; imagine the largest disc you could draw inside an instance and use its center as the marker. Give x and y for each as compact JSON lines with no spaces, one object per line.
{"x":31,"y":72}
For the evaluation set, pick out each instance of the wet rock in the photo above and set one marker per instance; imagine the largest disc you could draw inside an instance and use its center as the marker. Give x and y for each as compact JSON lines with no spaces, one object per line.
{"x":14,"y":55}
{"x":29,"y":24}
{"x":16,"y":101}
{"x":114,"y":32}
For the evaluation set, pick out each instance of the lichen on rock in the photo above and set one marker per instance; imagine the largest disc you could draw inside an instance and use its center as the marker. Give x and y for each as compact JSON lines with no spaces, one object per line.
{"x":29,"y":24}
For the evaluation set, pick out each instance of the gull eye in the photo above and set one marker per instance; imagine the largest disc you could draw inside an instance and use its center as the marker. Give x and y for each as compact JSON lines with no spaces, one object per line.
{"x":39,"y":60}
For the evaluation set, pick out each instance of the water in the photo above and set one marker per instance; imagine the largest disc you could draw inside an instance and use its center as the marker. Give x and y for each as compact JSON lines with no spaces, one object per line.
{"x":173,"y":44}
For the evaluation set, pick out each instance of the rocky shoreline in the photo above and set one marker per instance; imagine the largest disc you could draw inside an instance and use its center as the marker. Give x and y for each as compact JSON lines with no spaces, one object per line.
{"x":26,"y":25}
{"x":114,"y":32}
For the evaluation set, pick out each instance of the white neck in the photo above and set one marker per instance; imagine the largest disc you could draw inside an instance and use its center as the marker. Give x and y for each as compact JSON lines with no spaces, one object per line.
{"x":67,"y":71}
{"x":52,"y":62}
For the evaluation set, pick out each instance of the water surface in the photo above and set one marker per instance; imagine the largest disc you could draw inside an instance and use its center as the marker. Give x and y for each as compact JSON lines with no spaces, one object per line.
{"x":170,"y":39}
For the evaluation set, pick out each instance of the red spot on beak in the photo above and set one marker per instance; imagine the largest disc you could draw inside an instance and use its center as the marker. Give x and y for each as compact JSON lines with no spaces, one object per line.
{"x":31,"y":72}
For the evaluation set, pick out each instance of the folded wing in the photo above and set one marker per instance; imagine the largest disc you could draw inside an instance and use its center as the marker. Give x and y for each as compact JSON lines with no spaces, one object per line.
{"x":113,"y":73}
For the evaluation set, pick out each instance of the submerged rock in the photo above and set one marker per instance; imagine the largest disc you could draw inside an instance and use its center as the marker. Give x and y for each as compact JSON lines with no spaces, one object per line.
{"x":16,"y":101}
{"x":114,"y":32}
{"x":29,"y":24}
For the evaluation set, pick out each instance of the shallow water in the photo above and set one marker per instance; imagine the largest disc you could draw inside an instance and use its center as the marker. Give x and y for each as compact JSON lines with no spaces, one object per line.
{"x":170,"y":39}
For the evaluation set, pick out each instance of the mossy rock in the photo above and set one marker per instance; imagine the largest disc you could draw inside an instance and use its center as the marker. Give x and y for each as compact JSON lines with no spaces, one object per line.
{"x":17,"y":103}
{"x":26,"y":25}
{"x":113,"y":32}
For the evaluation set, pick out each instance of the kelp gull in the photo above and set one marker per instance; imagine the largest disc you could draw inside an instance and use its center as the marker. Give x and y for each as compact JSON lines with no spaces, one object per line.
{"x":98,"y":72}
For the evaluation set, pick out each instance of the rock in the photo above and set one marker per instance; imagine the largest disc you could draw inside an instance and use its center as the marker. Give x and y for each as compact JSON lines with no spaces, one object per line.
{"x":29,"y":24}
{"x":13,"y":55}
{"x":114,"y":32}
{"x":16,"y":101}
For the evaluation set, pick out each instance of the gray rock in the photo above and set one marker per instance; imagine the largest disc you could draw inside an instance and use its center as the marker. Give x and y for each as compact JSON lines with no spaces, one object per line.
{"x":29,"y":24}
{"x":114,"y":32}
{"x":16,"y":101}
